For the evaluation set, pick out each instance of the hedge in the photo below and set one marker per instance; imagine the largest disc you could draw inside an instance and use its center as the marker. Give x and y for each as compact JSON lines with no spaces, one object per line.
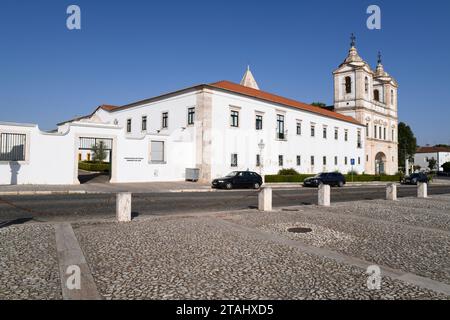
{"x":356,"y":178}
{"x":92,"y":166}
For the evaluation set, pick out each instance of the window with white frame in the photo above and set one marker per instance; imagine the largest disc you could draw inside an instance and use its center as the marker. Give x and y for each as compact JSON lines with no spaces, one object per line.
{"x":128,"y":125}
{"x":12,"y":147}
{"x":299,"y":161}
{"x":336,"y":133}
{"x":234,"y":118}
{"x":157,"y":152}
{"x":299,"y":128}
{"x":325,"y":131}
{"x":259,"y":122}
{"x":144,"y":123}
{"x":191,"y":116}
{"x":280,"y":160}
{"x":313,"y":130}
{"x":234,"y":160}
{"x":165,"y":120}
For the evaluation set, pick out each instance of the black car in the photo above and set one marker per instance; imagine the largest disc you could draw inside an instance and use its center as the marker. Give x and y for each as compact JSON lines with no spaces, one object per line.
{"x":332,"y":179}
{"x":239,"y":179}
{"x":415,"y":178}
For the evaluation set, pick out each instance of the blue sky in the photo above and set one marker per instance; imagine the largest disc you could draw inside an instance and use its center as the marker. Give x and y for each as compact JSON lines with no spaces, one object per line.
{"x":130,"y":50}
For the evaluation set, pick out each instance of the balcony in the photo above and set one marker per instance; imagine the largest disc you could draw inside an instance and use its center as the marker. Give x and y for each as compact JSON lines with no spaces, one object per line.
{"x":281,"y":136}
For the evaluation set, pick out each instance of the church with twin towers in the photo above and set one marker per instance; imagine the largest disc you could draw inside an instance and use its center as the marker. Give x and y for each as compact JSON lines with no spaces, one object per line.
{"x":370,"y":96}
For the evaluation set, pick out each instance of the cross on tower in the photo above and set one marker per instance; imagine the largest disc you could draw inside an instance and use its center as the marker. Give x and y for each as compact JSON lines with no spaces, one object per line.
{"x":379,"y":57}
{"x":353,"y":39}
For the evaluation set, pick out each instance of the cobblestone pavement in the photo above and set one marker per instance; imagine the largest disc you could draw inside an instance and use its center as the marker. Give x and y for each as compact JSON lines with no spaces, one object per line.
{"x":28,"y":263}
{"x":200,"y":258}
{"x":237,"y":255}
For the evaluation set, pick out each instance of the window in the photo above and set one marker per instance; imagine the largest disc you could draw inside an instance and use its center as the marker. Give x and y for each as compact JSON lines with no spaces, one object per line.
{"x":259,"y":122}
{"x":324,"y":132}
{"x":12,"y":147}
{"x":144,"y":123}
{"x":366,"y":85}
{"x":157,"y":151}
{"x":384,"y":133}
{"x":367,"y":158}
{"x":234,"y":119}
{"x":299,"y":161}
{"x":392,"y":97}
{"x":234,"y":160}
{"x":313,"y":130}
{"x":336,"y":134}
{"x":280,"y":160}
{"x":375,"y":132}
{"x":379,"y":130}
{"x":346,"y":135}
{"x":324,"y":161}
{"x":191,"y":116}
{"x":367,"y":130}
{"x":359,"y":160}
{"x":345,"y":160}
{"x":348,"y":84}
{"x":359,"y":143}
{"x":165,"y":120}
{"x":280,"y":127}
{"x":88,"y":157}
{"x":299,"y":128}
{"x":312,"y":160}
{"x":129,"y":126}
{"x":258,"y":160}
{"x":376,"y":95}
{"x":335,"y":161}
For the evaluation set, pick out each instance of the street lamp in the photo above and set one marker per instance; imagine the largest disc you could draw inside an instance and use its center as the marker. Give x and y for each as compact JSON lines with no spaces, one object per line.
{"x":261,"y":146}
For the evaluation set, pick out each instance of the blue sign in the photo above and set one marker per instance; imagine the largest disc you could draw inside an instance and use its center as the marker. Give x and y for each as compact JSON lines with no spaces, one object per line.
{"x":352,"y":162}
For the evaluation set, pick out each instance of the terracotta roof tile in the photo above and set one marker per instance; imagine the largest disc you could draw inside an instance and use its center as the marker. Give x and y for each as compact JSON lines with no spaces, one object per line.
{"x":432,"y":149}
{"x":233,"y":87}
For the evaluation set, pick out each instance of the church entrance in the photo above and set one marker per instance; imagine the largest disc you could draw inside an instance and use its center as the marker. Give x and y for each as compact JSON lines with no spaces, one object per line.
{"x":380,"y":160}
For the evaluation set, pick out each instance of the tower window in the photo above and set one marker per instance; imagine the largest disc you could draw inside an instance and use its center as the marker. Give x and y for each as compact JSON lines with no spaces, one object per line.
{"x":392,"y":97}
{"x":366,"y":85}
{"x":348,"y":84}
{"x":376,"y":95}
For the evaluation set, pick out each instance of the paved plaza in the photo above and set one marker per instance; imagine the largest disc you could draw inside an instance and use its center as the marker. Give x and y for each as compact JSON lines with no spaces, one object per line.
{"x":246,"y":254}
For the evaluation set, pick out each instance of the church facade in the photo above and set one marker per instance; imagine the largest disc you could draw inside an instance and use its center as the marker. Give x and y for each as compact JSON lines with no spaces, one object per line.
{"x":218,"y":128}
{"x":370,"y":96}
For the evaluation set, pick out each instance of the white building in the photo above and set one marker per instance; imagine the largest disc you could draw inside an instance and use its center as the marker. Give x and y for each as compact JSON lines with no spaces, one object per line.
{"x":217,"y":128}
{"x":424,"y":154}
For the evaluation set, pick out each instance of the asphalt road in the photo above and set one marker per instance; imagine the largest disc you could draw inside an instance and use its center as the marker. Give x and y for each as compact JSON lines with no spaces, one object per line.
{"x":19,"y":209}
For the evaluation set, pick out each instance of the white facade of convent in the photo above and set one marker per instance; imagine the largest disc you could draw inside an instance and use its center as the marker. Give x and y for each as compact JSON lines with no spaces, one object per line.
{"x":217,"y":128}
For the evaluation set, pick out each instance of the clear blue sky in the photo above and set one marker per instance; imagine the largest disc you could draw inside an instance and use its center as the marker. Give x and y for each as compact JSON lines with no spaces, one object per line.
{"x":130,"y":50}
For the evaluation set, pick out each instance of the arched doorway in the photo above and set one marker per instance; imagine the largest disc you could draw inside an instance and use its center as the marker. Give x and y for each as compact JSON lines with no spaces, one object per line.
{"x":380,"y":160}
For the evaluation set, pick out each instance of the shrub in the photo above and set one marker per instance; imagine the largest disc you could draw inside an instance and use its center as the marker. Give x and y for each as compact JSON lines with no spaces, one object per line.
{"x":286,"y":178}
{"x":288,"y":172}
{"x":446,"y":167}
{"x":93,"y":166}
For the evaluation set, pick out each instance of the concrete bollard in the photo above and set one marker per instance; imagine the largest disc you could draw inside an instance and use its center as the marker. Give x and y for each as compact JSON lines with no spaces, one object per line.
{"x":123,"y":207}
{"x":391,"y":192}
{"x":422,"y":190}
{"x":324,"y":195}
{"x":265,"y":199}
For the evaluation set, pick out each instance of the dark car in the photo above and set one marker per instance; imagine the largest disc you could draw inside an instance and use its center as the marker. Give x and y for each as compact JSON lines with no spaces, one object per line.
{"x":239,"y":179}
{"x":332,"y":179}
{"x":415,"y":178}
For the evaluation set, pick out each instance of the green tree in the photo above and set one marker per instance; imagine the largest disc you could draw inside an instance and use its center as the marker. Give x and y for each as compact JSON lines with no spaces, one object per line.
{"x":432,"y":164}
{"x":319,"y":104}
{"x":407,"y":144}
{"x":446,"y":167}
{"x":99,"y":152}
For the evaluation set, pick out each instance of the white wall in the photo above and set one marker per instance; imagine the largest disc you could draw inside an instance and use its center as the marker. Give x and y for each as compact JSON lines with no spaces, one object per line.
{"x":420,"y":159}
{"x":50,"y":158}
{"x":244,"y":140}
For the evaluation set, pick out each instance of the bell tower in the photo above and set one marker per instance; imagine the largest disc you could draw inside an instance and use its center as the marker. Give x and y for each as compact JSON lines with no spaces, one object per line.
{"x":370,"y":96}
